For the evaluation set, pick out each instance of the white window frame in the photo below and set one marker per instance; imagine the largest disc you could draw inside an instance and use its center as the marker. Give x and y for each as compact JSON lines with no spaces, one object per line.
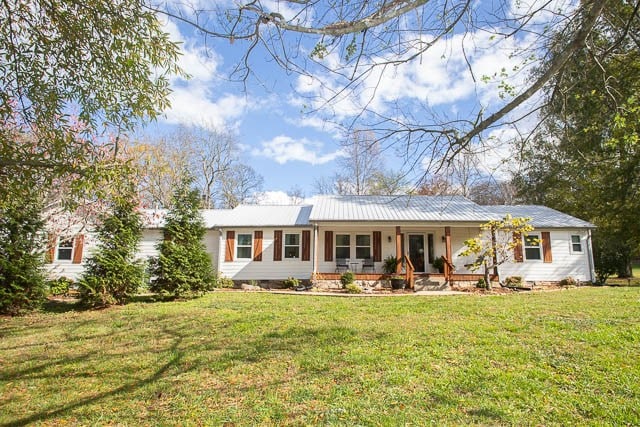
{"x":61,"y":240}
{"x":250,"y":246}
{"x":336,"y":246}
{"x":572,"y":243}
{"x":363,"y":246}
{"x":298,"y":246}
{"x":538,"y":246}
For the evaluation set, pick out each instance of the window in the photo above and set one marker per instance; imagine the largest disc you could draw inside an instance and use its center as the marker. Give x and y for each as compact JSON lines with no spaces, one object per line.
{"x":292,"y":246}
{"x":244,"y":246}
{"x":65,"y":249}
{"x":363,"y":246}
{"x":532,"y":247}
{"x":576,"y":243}
{"x":343,"y":246}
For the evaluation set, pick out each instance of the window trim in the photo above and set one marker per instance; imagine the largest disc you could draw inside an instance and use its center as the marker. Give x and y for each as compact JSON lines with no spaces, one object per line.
{"x":571,"y":244}
{"x":538,"y":246}
{"x":368,"y":246}
{"x":285,"y":246}
{"x":250,"y":246}
{"x":71,"y":247}
{"x":336,"y":246}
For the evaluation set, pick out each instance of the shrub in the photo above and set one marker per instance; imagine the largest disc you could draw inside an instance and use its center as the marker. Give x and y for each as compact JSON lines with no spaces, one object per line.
{"x":347,"y":278}
{"x":513,"y":281}
{"x":184,"y":266}
{"x":568,"y":281}
{"x":22,"y":280}
{"x":482,"y":284}
{"x":291,"y":282}
{"x":59,"y":286}
{"x":352,"y":288}
{"x":438,"y":264}
{"x":224,"y":282}
{"x":113,"y":274}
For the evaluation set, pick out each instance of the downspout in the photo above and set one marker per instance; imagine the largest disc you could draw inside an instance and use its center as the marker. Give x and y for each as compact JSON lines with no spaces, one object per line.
{"x":592,"y":271}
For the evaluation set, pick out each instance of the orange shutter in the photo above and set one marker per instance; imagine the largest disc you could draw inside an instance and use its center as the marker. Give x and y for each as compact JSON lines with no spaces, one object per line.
{"x":277,"y":245}
{"x":306,"y":245}
{"x":229,"y":247}
{"x":377,"y":246}
{"x":257,"y":245}
{"x":78,"y":246}
{"x":517,"y":248}
{"x":546,"y":246}
{"x":50,"y":255}
{"x":328,"y":245}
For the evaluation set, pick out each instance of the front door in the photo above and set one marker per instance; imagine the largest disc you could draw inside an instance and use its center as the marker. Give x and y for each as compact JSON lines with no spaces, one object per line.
{"x":417,"y":252}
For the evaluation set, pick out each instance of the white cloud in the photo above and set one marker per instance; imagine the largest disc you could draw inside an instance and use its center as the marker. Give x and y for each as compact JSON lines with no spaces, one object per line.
{"x":285,"y":149}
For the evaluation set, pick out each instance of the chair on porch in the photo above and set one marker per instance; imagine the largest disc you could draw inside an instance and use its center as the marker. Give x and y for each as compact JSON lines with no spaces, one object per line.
{"x":342,"y":264}
{"x":368,"y":263}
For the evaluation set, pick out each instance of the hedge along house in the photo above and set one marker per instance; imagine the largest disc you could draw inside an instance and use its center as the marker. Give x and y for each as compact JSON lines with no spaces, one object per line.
{"x":333,"y":234}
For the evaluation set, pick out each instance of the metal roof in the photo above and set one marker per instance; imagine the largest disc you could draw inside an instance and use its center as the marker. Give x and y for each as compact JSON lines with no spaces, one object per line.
{"x":264,"y":216}
{"x":397,"y":209}
{"x":541,"y":216}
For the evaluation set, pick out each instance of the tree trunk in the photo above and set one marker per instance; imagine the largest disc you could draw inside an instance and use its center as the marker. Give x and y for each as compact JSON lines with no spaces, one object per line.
{"x":487,"y":279}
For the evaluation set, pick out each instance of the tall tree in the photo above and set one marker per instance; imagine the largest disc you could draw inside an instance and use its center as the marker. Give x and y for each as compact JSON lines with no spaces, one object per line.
{"x":108,"y":62}
{"x":183,"y":267}
{"x":585,"y":159}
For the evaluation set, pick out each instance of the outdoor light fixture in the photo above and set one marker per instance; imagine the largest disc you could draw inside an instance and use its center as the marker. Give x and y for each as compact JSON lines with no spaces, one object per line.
{"x":444,"y":239}
{"x":389,"y":238}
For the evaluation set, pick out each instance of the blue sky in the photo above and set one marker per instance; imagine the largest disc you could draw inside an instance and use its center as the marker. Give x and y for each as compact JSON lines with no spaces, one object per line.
{"x":290,"y":147}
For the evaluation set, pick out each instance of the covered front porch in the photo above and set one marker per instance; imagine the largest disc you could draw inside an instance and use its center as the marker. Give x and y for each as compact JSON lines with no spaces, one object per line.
{"x":362,"y":249}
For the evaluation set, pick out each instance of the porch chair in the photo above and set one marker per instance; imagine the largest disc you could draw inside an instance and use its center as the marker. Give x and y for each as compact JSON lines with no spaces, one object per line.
{"x":368,"y":263}
{"x":341,"y":265}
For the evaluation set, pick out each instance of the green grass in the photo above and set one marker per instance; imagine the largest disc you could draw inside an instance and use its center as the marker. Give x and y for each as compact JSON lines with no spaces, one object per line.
{"x":550,"y":358}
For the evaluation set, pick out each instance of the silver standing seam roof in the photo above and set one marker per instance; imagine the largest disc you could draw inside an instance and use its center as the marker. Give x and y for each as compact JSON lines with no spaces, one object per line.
{"x":397,"y":209}
{"x":541,"y":216}
{"x":394,"y":209}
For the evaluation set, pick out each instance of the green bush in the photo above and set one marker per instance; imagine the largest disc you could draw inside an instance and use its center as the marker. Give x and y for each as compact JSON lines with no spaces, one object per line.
{"x":513,"y":281}
{"x":183,"y":267}
{"x":347,"y":278}
{"x":59,"y":286}
{"x":482,"y":284}
{"x":291,"y":282}
{"x":22,"y":279}
{"x":389,"y":264}
{"x":352,"y":288}
{"x":438,"y":264}
{"x":113,"y":274}
{"x":224,"y":282}
{"x":569,"y":281}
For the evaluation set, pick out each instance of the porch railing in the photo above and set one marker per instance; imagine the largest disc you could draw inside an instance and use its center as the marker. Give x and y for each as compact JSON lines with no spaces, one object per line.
{"x":409,"y":269}
{"x":448,"y":269}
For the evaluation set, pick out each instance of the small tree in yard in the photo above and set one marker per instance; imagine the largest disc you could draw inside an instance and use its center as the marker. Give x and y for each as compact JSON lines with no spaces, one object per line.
{"x":184,"y":266}
{"x":113,"y":274}
{"x":496,"y":243}
{"x":22,"y":282}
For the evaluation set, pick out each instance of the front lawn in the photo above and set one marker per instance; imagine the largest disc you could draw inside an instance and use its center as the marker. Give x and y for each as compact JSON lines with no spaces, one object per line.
{"x":565,"y":357}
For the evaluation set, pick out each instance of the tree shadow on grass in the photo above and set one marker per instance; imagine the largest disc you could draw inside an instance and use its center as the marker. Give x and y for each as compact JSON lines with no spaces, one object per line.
{"x":59,"y":306}
{"x":174,"y":360}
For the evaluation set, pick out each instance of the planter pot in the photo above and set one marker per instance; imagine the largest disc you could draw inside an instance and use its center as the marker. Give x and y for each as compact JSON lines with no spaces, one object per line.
{"x":397,"y":283}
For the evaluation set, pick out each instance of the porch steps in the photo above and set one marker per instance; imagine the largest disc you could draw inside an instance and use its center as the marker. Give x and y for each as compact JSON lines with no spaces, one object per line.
{"x":429,"y":285}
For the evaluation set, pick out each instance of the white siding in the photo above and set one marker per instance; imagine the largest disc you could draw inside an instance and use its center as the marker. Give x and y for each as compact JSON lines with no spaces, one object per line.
{"x":267,"y":269}
{"x":67,"y":268}
{"x":147,"y":246}
{"x":565,"y":263}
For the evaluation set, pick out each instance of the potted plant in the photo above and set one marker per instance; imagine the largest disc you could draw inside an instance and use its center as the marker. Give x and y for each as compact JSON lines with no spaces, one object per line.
{"x":438,"y":264}
{"x":389,"y":267}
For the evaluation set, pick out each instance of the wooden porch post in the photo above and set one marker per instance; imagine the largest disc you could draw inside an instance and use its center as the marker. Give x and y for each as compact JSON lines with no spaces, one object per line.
{"x":398,"y":249}
{"x":447,"y":268}
{"x":315,"y":251}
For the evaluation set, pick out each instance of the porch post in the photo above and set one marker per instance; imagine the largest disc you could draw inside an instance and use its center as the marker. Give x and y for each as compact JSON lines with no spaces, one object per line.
{"x":398,"y":249}
{"x":315,"y":251}
{"x":447,"y":237}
